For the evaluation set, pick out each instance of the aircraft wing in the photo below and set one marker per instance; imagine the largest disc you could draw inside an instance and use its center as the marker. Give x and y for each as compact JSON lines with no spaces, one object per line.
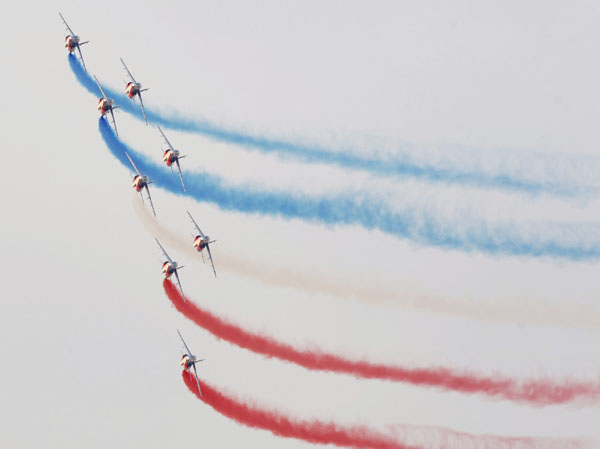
{"x":179,"y":284}
{"x":130,"y":160}
{"x":112,"y":114}
{"x":100,"y":87}
{"x":66,"y":24}
{"x":164,"y":252}
{"x":166,"y":140}
{"x":195,"y":224}
{"x":211,"y":260}
{"x":186,"y":346}
{"x":197,"y":380}
{"x":180,"y":175}
{"x":150,"y":199}
{"x":128,"y":72}
{"x":142,"y":104}
{"x":81,"y":58}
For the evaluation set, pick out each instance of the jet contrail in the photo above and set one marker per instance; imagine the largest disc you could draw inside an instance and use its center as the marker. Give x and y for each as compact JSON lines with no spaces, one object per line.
{"x":400,"y":436}
{"x":299,"y":278}
{"x":533,"y":392}
{"x":397,"y":166}
{"x":416,"y":226}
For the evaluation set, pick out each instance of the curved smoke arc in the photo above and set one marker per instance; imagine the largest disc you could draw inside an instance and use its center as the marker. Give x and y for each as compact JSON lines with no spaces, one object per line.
{"x":566,"y":241}
{"x":398,"y":166}
{"x":533,"y":392}
{"x":517,"y":311}
{"x":253,"y":415}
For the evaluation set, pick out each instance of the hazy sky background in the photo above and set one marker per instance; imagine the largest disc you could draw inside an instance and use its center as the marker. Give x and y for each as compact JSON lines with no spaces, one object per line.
{"x":90,"y":351}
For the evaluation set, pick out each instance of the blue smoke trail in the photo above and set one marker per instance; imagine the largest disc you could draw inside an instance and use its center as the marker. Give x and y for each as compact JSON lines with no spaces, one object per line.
{"x":347,"y":210}
{"x":315,"y":154}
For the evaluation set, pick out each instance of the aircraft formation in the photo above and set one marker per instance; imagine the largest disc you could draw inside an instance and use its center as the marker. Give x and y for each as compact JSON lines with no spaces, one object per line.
{"x":171,"y":269}
{"x":171,"y":157}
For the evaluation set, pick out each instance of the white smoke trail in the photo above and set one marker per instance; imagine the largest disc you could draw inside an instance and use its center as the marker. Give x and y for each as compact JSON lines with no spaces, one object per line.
{"x":521,"y":311}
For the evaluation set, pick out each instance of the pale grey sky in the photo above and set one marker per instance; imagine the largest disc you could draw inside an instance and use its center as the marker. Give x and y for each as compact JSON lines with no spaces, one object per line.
{"x":90,"y":352}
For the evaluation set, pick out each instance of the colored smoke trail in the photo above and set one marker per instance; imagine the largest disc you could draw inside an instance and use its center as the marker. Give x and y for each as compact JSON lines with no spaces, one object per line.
{"x":281,"y":425}
{"x":309,"y":280}
{"x":399,"y":166}
{"x":419,"y":227}
{"x":534,"y":392}
{"x":400,"y":436}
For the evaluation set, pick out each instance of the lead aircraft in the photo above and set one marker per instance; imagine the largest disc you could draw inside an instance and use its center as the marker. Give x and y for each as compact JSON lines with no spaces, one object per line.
{"x":73,"y":42}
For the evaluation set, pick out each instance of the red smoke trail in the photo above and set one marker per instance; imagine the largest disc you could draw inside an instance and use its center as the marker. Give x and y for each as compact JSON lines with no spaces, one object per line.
{"x":278,"y":424}
{"x":536,"y":392}
{"x":399,"y":437}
